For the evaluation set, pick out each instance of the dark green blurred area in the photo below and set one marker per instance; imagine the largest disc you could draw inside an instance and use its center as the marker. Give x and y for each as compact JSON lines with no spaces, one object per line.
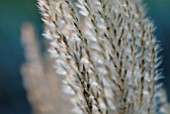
{"x":14,"y":13}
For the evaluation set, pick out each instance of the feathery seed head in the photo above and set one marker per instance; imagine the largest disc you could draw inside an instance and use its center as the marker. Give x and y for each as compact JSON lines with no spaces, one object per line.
{"x":108,"y":54}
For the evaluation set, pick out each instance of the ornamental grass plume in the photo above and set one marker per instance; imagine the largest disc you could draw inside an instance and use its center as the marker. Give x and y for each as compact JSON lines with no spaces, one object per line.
{"x":108,"y":54}
{"x":39,"y":77}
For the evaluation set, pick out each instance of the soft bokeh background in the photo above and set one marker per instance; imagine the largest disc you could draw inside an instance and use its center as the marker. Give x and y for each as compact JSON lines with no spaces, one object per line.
{"x":13,"y":13}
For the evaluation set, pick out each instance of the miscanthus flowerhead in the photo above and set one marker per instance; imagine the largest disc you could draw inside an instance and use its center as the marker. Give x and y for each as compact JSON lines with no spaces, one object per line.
{"x":108,"y":55}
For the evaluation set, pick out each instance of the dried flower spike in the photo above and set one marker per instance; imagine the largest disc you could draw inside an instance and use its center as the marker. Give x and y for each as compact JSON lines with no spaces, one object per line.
{"x":108,"y":54}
